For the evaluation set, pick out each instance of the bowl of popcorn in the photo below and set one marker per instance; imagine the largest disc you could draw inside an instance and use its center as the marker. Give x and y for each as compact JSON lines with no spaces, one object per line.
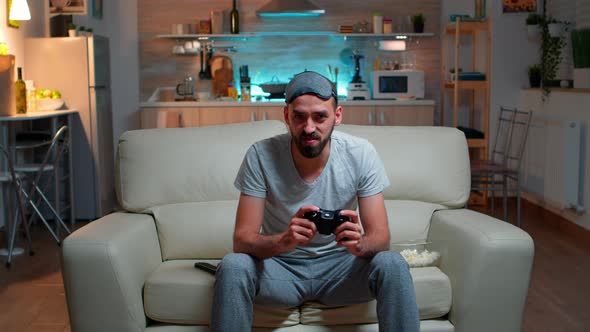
{"x":418,"y":253}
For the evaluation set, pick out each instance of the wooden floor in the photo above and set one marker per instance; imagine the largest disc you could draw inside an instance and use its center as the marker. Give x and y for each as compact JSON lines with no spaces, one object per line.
{"x":32,"y":295}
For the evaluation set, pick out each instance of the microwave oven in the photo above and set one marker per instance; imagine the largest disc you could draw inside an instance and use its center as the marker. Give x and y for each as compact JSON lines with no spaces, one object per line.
{"x":394,"y":84}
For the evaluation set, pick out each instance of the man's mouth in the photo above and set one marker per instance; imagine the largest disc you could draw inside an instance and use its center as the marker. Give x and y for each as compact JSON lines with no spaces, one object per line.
{"x":309,"y":139}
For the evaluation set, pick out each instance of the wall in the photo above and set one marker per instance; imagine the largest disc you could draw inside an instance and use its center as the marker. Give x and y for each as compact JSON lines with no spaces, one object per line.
{"x":544,"y":159}
{"x":119,"y":23}
{"x":282,"y":56}
{"x":14,"y":37}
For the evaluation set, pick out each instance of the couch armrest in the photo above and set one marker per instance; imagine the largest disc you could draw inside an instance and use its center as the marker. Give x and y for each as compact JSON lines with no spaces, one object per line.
{"x":489,"y":264}
{"x":105,"y":264}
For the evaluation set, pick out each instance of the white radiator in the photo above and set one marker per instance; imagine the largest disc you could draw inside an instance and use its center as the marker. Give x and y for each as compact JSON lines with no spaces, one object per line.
{"x":574,"y":166}
{"x":554,"y":162}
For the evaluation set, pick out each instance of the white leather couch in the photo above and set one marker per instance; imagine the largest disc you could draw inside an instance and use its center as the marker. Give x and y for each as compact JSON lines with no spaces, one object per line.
{"x":133,"y":270}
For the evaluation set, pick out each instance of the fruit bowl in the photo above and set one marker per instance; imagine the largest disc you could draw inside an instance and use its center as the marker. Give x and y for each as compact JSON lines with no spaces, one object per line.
{"x":418,"y":253}
{"x":48,"y":104}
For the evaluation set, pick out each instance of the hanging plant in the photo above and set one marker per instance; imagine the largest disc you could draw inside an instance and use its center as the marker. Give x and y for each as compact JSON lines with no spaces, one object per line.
{"x":551,"y":54}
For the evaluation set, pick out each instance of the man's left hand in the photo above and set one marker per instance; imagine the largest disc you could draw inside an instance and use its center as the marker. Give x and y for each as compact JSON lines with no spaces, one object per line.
{"x":349,"y":234}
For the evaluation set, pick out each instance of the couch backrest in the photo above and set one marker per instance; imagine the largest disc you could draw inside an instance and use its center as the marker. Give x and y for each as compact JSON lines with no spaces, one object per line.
{"x":428,"y":164}
{"x":167,"y":166}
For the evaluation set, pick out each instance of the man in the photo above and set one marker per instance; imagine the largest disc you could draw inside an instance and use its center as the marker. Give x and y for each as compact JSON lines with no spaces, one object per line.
{"x":280,"y":259}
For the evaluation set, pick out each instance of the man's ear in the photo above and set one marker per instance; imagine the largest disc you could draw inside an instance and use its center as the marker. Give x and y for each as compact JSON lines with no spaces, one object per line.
{"x":286,"y":114}
{"x":338,"y":114}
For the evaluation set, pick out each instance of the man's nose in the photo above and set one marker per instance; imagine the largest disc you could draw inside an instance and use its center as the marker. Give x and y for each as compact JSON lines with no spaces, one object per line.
{"x":309,"y":126}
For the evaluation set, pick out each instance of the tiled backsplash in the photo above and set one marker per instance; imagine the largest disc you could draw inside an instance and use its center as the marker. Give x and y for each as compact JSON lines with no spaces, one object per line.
{"x":284,"y":55}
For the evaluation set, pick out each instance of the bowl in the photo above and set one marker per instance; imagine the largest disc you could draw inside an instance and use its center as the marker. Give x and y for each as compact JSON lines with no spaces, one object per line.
{"x":47,"y":104}
{"x":418,"y":253}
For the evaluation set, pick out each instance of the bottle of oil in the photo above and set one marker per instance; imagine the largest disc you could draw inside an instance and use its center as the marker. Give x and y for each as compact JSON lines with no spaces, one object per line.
{"x":234,"y":19}
{"x":21,"y":93}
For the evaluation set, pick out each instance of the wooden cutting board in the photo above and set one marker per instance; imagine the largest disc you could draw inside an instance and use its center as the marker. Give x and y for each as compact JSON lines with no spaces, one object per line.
{"x":222,"y":73}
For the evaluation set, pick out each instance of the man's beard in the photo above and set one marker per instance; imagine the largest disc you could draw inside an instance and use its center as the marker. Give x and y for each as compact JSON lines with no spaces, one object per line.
{"x":311,"y":151}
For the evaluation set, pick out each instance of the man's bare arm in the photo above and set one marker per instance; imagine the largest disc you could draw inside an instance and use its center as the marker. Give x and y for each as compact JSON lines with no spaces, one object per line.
{"x":374,"y":219}
{"x":247,"y":237}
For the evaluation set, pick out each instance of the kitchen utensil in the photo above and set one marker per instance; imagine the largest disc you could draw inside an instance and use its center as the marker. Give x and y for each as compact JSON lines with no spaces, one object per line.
{"x":274,"y":87}
{"x":186,"y":88}
{"x":46,"y":104}
{"x":208,"y":74}
{"x":219,"y":61}
{"x":222,"y":77}
{"x":201,"y":71}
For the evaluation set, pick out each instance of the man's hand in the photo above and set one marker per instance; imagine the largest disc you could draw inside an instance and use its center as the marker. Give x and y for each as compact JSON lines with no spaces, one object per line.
{"x":349,"y":234}
{"x":300,"y":230}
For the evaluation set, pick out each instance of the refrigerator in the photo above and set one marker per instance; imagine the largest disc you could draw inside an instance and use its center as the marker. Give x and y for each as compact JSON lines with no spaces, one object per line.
{"x":79,"y":68}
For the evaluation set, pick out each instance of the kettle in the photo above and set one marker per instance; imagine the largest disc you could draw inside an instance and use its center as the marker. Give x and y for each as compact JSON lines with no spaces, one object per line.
{"x":186,"y":88}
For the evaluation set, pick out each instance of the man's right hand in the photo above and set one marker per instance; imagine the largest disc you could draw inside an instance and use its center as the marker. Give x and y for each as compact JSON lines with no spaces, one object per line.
{"x":300,"y":230}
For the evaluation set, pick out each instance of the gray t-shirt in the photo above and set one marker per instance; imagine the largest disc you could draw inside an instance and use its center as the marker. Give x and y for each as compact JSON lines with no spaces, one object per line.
{"x":268,"y":171}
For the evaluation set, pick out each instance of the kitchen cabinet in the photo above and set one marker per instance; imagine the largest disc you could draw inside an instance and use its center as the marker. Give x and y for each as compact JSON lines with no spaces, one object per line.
{"x":210,"y":116}
{"x":359,"y":115}
{"x":198,"y":116}
{"x":273,"y":112}
{"x":389,"y":115}
{"x":169,"y":117}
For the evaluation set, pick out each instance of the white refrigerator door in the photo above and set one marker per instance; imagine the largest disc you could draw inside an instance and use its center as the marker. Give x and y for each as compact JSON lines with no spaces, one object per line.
{"x":70,"y":66}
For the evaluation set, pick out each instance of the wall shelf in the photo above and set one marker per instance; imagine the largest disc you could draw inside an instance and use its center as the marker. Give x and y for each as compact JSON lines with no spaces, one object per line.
{"x":399,"y":35}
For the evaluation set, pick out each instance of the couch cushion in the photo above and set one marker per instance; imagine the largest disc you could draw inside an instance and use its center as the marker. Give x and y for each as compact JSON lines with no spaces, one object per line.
{"x":176,"y":292}
{"x":175,"y":165}
{"x":433,"y":296}
{"x":409,"y":220}
{"x":204,"y":229}
{"x":195,"y":230}
{"x":429,"y":164}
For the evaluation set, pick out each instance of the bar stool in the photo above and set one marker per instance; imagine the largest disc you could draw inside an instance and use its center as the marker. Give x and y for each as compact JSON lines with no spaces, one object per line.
{"x":33,"y":174}
{"x":11,"y":177}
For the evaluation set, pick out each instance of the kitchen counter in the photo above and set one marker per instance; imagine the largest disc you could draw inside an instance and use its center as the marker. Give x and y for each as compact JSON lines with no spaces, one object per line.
{"x":162,"y":98}
{"x":185,"y":104}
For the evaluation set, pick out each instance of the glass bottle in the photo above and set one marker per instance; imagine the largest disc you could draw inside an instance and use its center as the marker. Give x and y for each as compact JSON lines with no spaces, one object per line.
{"x":20,"y":93}
{"x":234,"y":19}
{"x":31,"y":96}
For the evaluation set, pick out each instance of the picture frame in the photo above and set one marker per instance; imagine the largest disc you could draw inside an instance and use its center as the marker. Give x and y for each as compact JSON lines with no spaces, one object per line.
{"x":97,"y":9}
{"x":519,"y":6}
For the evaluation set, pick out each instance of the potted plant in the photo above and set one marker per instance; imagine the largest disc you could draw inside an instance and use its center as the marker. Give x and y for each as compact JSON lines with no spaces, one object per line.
{"x":533,"y":25}
{"x":535,"y":76}
{"x":418,"y":22}
{"x":72,"y":30}
{"x":555,"y":27}
{"x":551,"y":55}
{"x":581,"y":55}
{"x":82,"y":30}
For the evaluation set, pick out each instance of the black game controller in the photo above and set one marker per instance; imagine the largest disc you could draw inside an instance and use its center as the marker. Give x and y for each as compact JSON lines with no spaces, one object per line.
{"x":326,"y":221}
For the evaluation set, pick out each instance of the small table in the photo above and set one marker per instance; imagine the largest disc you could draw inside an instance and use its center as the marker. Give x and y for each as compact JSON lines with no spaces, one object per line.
{"x":7,"y":139}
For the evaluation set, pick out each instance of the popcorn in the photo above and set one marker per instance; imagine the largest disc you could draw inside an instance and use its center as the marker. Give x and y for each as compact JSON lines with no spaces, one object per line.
{"x":418,"y":259}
